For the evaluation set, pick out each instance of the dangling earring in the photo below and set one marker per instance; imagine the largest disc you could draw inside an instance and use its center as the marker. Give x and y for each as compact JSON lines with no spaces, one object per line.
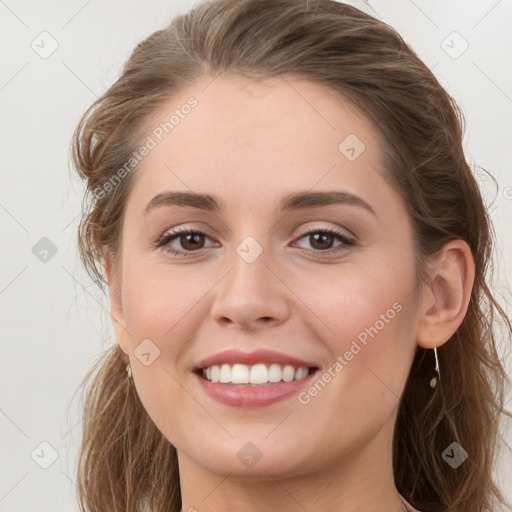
{"x":436,"y":378}
{"x":129,"y":370}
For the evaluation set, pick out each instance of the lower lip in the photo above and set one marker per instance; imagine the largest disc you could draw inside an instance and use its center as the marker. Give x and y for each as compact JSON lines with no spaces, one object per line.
{"x":238,"y":395}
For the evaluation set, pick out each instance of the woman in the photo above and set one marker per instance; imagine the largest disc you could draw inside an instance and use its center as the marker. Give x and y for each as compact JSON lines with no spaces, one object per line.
{"x":296,"y":253}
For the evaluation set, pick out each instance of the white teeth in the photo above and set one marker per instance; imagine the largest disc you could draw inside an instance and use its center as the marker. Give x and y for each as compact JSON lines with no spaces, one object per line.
{"x":301,"y":373}
{"x":225,"y":374}
{"x":240,"y":374}
{"x":257,"y":374}
{"x":288,"y":373}
{"x":274,"y":373}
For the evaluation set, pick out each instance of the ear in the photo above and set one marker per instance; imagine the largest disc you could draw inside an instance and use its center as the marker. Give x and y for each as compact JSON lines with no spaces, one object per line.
{"x":116,"y":306}
{"x":444,"y":300}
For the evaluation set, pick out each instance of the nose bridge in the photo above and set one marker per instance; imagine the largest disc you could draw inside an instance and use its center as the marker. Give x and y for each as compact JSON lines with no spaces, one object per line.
{"x":250,"y":290}
{"x":250,"y":275}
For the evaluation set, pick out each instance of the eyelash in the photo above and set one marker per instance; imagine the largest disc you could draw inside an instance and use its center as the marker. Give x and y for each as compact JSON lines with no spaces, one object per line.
{"x":168,"y":237}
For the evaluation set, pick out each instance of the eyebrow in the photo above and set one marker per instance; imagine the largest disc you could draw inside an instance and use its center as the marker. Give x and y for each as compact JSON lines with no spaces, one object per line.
{"x":294,"y":201}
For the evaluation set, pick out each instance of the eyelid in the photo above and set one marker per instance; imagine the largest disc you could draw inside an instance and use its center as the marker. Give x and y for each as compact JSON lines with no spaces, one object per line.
{"x":317,"y":225}
{"x":322,"y":227}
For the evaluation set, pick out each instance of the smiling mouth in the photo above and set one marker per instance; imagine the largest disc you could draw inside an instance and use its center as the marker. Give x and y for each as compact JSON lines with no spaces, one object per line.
{"x":254,"y":375}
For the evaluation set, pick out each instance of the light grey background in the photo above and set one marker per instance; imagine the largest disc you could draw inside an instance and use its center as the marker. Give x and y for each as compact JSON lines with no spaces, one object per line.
{"x":54,"y":321}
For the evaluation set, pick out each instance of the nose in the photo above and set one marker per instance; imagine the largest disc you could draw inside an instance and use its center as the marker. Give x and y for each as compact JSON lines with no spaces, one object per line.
{"x":251,"y":295}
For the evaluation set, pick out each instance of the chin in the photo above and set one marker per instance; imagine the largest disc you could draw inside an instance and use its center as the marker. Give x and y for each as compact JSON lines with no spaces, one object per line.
{"x":250,"y":460}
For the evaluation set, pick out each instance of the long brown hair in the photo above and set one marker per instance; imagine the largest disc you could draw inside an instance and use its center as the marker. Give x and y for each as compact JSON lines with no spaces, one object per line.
{"x":125,"y":462}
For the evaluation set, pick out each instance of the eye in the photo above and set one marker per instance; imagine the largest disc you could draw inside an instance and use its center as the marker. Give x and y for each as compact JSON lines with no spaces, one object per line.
{"x":190,"y":240}
{"x":322,"y":239}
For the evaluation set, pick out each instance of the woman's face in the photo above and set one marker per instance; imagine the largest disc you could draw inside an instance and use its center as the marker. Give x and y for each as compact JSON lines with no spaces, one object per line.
{"x":252,"y":280}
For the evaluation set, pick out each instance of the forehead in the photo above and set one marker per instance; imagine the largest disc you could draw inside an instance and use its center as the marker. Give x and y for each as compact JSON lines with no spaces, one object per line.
{"x":245,"y":139}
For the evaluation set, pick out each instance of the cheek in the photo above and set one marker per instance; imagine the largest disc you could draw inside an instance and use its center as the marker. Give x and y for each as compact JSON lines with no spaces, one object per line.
{"x":159,"y":313}
{"x":156,"y":305}
{"x":372,"y":343}
{"x":156,"y":299}
{"x":360,"y":301}
{"x":362,"y":313}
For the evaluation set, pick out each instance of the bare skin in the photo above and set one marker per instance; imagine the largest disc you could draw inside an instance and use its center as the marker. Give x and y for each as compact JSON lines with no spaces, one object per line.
{"x":250,"y":144}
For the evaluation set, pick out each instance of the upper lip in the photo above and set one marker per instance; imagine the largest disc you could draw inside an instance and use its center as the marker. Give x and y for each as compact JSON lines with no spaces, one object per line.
{"x":233,"y":356}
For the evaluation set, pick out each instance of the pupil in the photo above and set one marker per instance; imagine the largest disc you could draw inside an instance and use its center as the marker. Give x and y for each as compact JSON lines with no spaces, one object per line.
{"x":324,"y":236}
{"x":194,"y":236}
